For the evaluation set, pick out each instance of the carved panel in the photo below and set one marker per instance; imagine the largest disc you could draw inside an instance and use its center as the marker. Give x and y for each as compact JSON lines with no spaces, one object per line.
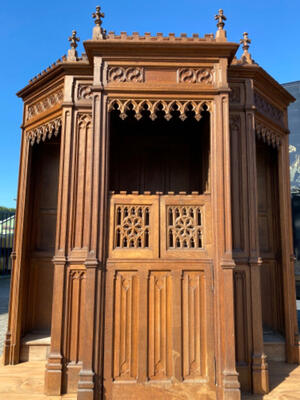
{"x":195,"y":75}
{"x":84,"y":91}
{"x":268,"y":109}
{"x":44,"y":104}
{"x":44,"y":131}
{"x":235,"y":95}
{"x":160,"y":325}
{"x":153,"y":106}
{"x":184,"y":227}
{"x":194,"y":341}
{"x":118,"y":74}
{"x":125,"y":362}
{"x":132,"y":226}
{"x":134,"y":223}
{"x":76,"y":298}
{"x":82,"y":181}
{"x":240,"y":308}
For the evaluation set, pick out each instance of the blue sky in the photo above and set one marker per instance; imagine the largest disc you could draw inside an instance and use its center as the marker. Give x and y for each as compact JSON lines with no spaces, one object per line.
{"x":34,"y":34}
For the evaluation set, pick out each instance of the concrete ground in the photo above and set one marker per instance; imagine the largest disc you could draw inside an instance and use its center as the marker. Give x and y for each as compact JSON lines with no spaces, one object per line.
{"x":4,"y":299}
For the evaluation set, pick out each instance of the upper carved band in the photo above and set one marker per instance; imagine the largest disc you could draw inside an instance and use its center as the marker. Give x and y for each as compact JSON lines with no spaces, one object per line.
{"x":125,"y":74}
{"x":154,"y":106}
{"x":45,"y":104}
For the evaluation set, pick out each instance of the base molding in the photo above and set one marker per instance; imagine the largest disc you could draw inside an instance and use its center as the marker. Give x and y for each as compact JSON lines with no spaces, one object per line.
{"x":53,"y":375}
{"x":260,"y":374}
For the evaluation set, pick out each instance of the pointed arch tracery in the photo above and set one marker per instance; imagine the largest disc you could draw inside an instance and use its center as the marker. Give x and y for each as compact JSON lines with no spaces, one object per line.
{"x":183,"y":107}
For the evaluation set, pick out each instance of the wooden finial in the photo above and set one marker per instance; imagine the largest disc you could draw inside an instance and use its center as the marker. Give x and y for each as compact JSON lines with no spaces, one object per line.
{"x":221,"y":33}
{"x":98,"y":15}
{"x":220,"y":17}
{"x":74,"y":39}
{"x":246,"y":56}
{"x":72,"y":53}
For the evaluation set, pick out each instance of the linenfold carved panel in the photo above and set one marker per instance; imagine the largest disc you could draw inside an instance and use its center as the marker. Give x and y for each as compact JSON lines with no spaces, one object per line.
{"x":194,"y":341}
{"x":118,"y":74}
{"x":195,"y":75}
{"x":76,"y":298}
{"x":125,"y":362}
{"x":184,"y":227}
{"x":160,"y":325}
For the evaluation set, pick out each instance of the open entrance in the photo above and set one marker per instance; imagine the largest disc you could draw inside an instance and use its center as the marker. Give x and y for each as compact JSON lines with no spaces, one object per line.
{"x":159,"y":300}
{"x":40,"y":242}
{"x":270,"y":251}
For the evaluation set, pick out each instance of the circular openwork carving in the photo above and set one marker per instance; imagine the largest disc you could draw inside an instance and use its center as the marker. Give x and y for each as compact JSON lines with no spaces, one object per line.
{"x":133,"y":226}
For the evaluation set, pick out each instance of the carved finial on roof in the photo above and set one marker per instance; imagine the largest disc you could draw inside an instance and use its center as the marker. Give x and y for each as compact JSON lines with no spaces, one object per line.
{"x":72,"y":53}
{"x":221,"y":33}
{"x":246,"y":56}
{"x":74,"y":39}
{"x":98,"y":31}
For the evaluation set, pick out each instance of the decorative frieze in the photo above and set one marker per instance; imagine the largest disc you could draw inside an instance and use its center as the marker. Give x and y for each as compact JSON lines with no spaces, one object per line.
{"x":154,"y":106}
{"x":45,"y":104}
{"x":235,"y":95}
{"x":267,"y":135}
{"x":268,"y":109}
{"x":44,"y":131}
{"x":195,"y":75}
{"x":84,"y":91}
{"x":118,"y":74}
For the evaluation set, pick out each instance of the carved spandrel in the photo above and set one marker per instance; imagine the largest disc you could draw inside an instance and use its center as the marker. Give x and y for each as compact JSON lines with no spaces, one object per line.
{"x":118,"y":74}
{"x":203,"y":76}
{"x":45,"y":104}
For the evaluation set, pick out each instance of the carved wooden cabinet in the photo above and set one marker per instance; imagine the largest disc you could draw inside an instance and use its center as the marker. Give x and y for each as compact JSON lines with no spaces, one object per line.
{"x":154,"y":199}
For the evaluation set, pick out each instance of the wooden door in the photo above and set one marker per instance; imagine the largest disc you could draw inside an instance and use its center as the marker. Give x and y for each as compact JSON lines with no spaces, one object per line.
{"x":159,"y":299}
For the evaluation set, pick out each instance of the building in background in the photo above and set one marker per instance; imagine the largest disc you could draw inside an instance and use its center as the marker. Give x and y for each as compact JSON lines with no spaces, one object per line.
{"x":294,"y":126}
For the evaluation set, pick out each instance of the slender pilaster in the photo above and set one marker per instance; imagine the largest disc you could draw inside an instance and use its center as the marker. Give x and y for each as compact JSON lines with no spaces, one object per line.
{"x":291,"y":324}
{"x":54,"y":367}
{"x":227,"y":376}
{"x":90,"y":381}
{"x":12,"y":340}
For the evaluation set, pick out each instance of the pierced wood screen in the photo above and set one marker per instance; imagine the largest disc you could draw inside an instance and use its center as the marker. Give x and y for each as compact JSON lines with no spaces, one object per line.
{"x":184,"y":227}
{"x":153,"y":226}
{"x":132,"y":226}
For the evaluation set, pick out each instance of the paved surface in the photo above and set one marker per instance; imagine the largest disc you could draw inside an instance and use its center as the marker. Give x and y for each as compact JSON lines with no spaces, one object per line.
{"x":4,"y":298}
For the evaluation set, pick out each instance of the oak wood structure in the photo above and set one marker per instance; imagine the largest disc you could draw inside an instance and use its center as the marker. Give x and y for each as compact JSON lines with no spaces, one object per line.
{"x":153,"y":229}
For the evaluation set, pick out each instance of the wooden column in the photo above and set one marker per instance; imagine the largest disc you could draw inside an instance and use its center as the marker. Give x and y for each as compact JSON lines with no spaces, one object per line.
{"x":260,"y":375}
{"x":89,"y":380}
{"x":289,"y":292}
{"x":227,"y":377}
{"x":16,"y":303}
{"x":54,"y":367}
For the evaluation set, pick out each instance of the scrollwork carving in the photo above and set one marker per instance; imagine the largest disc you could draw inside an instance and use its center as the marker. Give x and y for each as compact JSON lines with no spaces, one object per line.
{"x":125,"y":74}
{"x":195,"y":75}
{"x":44,"y":104}
{"x":268,"y":109}
{"x":84,"y":92}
